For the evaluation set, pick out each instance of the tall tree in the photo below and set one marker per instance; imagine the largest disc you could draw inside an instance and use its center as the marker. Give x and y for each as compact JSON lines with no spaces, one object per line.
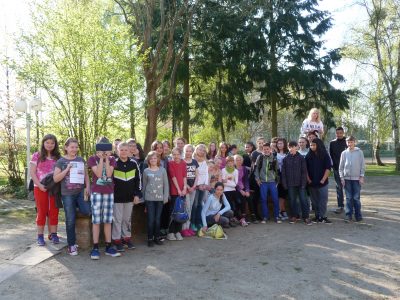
{"x":284,"y":47}
{"x":156,"y":23}
{"x":81,"y":54}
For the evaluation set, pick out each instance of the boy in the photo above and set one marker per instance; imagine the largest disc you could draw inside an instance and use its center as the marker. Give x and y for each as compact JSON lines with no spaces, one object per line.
{"x":294,"y":179}
{"x":127,"y":187}
{"x":266,"y":170}
{"x":351,"y":171}
{"x":102,"y":195}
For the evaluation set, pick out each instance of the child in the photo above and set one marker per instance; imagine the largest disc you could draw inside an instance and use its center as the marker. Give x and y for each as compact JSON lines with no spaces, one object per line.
{"x":102,"y":196}
{"x":178,"y":187}
{"x":351,"y":171}
{"x":191,"y":179}
{"x":294,"y":179}
{"x":266,"y":174}
{"x":233,"y":150}
{"x":127,"y":187}
{"x":212,"y":150}
{"x":313,"y":123}
{"x":166,"y":149}
{"x":282,"y":150}
{"x":243,"y":190}
{"x":222,"y":153}
{"x":213,"y":212}
{"x":42,"y":164}
{"x":214,"y":174}
{"x":303,"y":146}
{"x":73,"y":192}
{"x":318,"y":168}
{"x":155,"y":194}
{"x":202,"y":182}
{"x":230,"y":178}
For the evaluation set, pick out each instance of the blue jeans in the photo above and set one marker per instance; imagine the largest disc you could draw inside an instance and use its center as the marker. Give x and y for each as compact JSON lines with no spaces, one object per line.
{"x":154,"y":209}
{"x":319,"y":198}
{"x":293,"y":192}
{"x":339,"y":189}
{"x":195,"y":218}
{"x":71,"y":203}
{"x":353,"y":189}
{"x":264,"y":189}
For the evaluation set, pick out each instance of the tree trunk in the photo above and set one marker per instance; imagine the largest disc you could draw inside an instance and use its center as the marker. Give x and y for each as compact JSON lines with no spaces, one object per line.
{"x":395,"y":129}
{"x":152,"y":116}
{"x":377,"y":154}
{"x":132,"y":114}
{"x":186,"y":91}
{"x":274,"y":115}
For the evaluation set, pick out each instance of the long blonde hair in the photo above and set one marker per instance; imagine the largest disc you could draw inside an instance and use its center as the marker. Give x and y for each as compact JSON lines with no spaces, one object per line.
{"x":313,"y":110}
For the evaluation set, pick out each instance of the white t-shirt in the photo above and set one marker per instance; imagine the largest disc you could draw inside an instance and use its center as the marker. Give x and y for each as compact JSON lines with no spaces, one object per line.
{"x":202,"y":172}
{"x":308,"y":126}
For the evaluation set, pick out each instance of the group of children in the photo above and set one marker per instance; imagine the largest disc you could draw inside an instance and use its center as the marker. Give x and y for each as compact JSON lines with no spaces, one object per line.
{"x":219,"y":186}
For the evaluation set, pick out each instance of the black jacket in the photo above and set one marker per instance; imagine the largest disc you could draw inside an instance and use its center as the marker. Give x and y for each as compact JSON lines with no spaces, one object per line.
{"x":54,"y":188}
{"x":336,"y":147}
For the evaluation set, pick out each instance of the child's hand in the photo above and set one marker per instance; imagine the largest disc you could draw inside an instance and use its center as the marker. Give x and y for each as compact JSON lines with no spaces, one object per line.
{"x":204,"y":229}
{"x":42,"y":188}
{"x":343,"y":182}
{"x":362,"y":180}
{"x":166,"y":201}
{"x":216,"y":217}
{"x":135,"y":200}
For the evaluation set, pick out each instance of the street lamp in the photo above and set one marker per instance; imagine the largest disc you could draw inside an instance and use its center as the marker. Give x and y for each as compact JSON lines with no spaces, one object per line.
{"x":25,"y":106}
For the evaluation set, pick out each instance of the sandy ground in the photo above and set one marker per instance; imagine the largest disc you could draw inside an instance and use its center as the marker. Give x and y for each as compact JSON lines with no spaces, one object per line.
{"x":269,"y":261}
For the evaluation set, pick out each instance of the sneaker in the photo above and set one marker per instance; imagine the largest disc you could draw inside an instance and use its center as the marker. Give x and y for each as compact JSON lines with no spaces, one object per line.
{"x":112,"y":252}
{"x":232,"y":223}
{"x":235,"y":220}
{"x":129,"y":244}
{"x":54,"y":238}
{"x":72,"y":250}
{"x":292,"y":220}
{"x":278,"y":221}
{"x":243,"y":222}
{"x":191,"y":232}
{"x":307,"y":222}
{"x":150,"y":243}
{"x":315,"y":220}
{"x":326,"y":221}
{"x":186,"y":233}
{"x":264,"y":221}
{"x":49,"y":236}
{"x":253,"y":219}
{"x":171,"y":237}
{"x":95,"y":254}
{"x":339,"y":210}
{"x":40,"y":240}
{"x":360,"y":221}
{"x":119,"y":247}
{"x":158,"y":242}
{"x":178,"y":236}
{"x":284,"y":216}
{"x":347,"y":219}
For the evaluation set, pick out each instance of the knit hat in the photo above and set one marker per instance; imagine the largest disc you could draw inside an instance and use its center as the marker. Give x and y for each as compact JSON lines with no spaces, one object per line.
{"x":103,"y":145}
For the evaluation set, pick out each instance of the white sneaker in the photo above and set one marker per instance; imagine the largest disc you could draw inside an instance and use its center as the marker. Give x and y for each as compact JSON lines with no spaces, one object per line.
{"x":72,"y":250}
{"x":178,"y":236}
{"x":171,"y":237}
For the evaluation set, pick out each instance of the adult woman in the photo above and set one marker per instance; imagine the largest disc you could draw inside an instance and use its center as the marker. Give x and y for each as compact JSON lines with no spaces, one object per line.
{"x":222,"y":153}
{"x":313,"y":123}
{"x":42,"y":164}
{"x":318,"y":169}
{"x":213,"y":213}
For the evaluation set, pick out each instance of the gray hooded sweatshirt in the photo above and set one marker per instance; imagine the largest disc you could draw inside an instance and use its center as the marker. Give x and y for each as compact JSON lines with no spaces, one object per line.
{"x":352,"y":165}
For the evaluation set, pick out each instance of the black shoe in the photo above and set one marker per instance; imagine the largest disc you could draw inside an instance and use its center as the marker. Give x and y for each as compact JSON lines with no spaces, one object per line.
{"x":339,"y":210}
{"x":150,"y":243}
{"x":315,"y":220}
{"x":326,"y":221}
{"x":158,"y":242}
{"x":119,"y":247}
{"x":232,"y":224}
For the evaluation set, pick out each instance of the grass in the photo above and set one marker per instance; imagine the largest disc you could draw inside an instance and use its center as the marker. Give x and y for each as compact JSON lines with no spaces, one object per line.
{"x":387,"y":170}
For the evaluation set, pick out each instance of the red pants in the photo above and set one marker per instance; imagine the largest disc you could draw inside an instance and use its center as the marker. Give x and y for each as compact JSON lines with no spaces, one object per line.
{"x":46,"y":207}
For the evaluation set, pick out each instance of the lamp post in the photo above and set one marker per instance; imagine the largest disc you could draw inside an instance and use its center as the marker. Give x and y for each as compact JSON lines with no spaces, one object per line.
{"x":25,"y":106}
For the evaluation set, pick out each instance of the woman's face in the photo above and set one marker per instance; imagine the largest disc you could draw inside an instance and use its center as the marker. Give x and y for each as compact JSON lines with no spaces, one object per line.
{"x":279,"y":145}
{"x":313,"y":146}
{"x":200,"y":152}
{"x":49,"y":145}
{"x":213,"y":147}
{"x":219,"y":191}
{"x":72,"y":149}
{"x":166,"y":148}
{"x":314,"y":115}
{"x":179,"y":144}
{"x":132,"y":148}
{"x":248,"y":148}
{"x":223,"y":148}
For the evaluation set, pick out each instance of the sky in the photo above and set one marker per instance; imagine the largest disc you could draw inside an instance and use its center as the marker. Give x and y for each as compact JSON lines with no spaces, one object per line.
{"x":14,"y":14}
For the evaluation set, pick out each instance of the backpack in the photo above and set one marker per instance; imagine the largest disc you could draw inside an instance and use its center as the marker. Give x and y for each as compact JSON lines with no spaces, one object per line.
{"x":179,"y":213}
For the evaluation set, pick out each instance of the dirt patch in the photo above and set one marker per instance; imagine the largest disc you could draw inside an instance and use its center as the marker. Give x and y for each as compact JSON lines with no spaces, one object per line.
{"x":260,"y":262}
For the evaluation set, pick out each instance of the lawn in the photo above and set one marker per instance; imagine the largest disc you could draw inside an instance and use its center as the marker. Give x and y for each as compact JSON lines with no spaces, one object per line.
{"x":387,"y":170}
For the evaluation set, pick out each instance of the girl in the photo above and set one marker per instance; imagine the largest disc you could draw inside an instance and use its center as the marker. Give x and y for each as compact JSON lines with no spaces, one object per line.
{"x":212,"y":150}
{"x":313,"y":123}
{"x":222,"y":153}
{"x":249,"y":147}
{"x":282,"y":151}
{"x":230,"y":178}
{"x":214,"y":174}
{"x":178,"y":187}
{"x":42,"y":164}
{"x":138,"y":155}
{"x":155,"y":194}
{"x":318,"y":168}
{"x":213,"y":213}
{"x":202,"y":186}
{"x":166,"y":147}
{"x":72,"y":194}
{"x":191,"y":178}
{"x":303,"y":146}
{"x":243,"y":190}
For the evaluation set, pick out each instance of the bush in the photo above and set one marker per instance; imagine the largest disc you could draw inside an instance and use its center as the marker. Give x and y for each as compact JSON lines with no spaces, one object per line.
{"x":19,"y":191}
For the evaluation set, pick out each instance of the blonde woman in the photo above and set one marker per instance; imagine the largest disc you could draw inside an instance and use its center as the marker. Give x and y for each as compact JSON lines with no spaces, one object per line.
{"x":313,"y":123}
